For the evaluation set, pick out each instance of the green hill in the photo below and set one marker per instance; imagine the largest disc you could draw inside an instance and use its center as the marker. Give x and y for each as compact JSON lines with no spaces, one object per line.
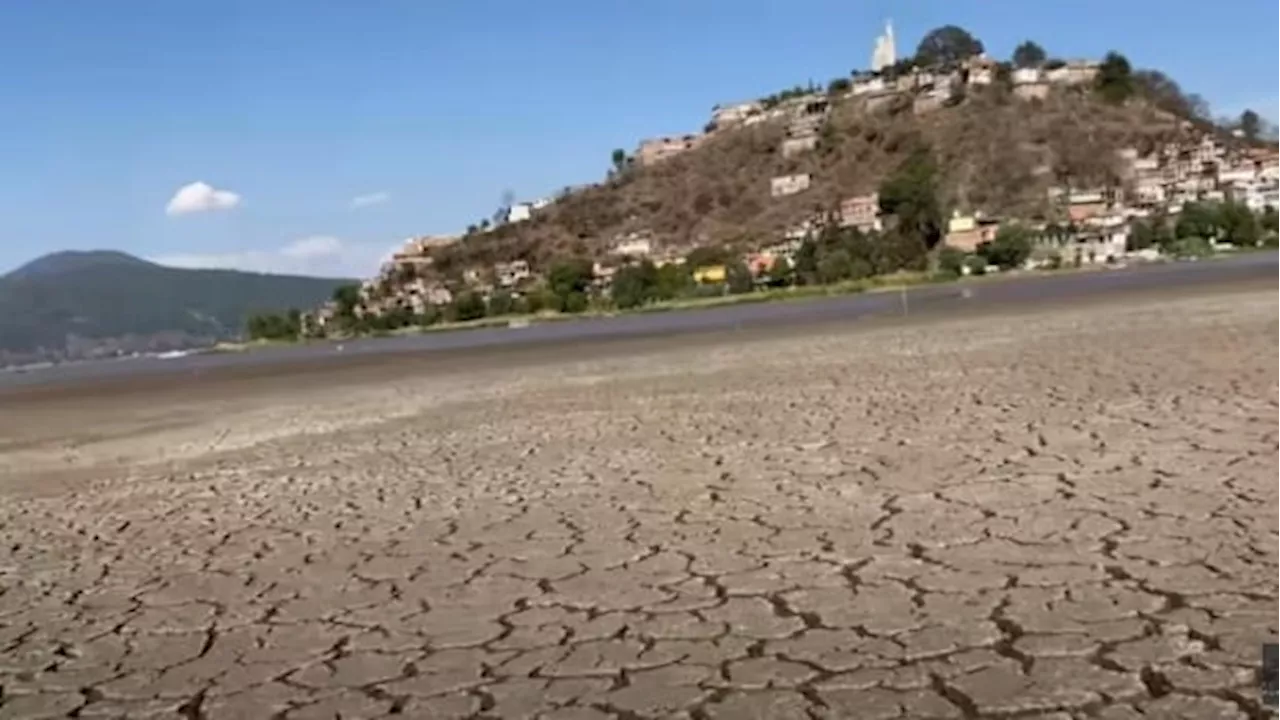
{"x":99,"y":303}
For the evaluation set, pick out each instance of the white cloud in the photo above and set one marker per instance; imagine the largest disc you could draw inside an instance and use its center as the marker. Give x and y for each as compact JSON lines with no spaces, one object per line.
{"x":316,"y":246}
{"x":317,"y":255}
{"x":200,"y":197}
{"x":364,"y":201}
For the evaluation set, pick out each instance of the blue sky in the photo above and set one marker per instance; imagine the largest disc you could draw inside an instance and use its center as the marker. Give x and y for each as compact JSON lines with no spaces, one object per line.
{"x":290,"y":110}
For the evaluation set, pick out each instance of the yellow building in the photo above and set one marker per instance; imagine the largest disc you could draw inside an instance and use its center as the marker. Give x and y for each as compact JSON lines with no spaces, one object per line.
{"x":709,"y":275}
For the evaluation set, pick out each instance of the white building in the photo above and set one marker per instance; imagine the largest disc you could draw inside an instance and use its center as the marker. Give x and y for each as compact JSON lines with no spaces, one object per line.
{"x":784,"y":185}
{"x":868,"y":85}
{"x":512,"y":273}
{"x":633,"y":245}
{"x":730,"y":114}
{"x":1257,"y":194}
{"x":519,"y":212}
{"x":885,"y":53}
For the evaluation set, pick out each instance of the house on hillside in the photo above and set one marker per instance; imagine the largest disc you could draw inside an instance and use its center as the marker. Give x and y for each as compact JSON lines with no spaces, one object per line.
{"x":519,"y":212}
{"x":979,"y":70}
{"x":785,"y":185}
{"x":511,"y":274}
{"x":731,"y":114}
{"x":633,"y":245}
{"x":967,"y":231}
{"x":1030,"y":84}
{"x":868,"y":85}
{"x":1082,"y":204}
{"x":1103,"y":240}
{"x":861,"y":212}
{"x":792,"y":146}
{"x":658,"y":149}
{"x":1073,"y":73}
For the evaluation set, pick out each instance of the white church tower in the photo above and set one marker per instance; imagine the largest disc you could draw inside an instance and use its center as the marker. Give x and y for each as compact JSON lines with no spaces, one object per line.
{"x":885,"y":54}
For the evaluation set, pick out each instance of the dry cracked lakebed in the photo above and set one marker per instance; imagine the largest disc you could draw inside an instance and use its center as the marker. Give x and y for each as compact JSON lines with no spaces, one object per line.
{"x":1069,"y":512}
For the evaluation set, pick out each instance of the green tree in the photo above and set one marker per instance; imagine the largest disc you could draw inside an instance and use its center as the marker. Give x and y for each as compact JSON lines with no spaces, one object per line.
{"x":1142,"y":235}
{"x":911,"y":194}
{"x":1270,"y":219}
{"x":738,"y":278}
{"x":1197,"y":220}
{"x":838,"y":85}
{"x":835,"y":266}
{"x":635,"y":285}
{"x":1162,"y":91}
{"x":673,"y":281}
{"x":467,"y":306}
{"x":1115,"y":81}
{"x":893,"y":251}
{"x":1029,"y":54}
{"x":569,"y":278}
{"x":275,"y":326}
{"x":346,"y":298}
{"x":500,"y":303}
{"x":1238,"y":225}
{"x":947,"y":45}
{"x":1010,"y":248}
{"x":619,"y":158}
{"x":429,"y":316}
{"x":1250,"y":125}
{"x":951,"y":261}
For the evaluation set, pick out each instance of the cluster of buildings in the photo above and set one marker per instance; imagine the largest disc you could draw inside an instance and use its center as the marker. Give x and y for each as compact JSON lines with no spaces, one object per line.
{"x":927,"y":89}
{"x":1092,"y":223}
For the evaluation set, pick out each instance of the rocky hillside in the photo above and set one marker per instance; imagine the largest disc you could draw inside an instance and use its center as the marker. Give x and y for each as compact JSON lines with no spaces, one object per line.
{"x":997,"y":153}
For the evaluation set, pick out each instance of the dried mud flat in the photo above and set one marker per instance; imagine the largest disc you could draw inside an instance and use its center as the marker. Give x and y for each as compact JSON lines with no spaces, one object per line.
{"x":1069,"y":513}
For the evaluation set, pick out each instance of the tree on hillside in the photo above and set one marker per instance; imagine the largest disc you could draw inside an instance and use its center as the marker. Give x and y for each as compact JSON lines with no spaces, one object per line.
{"x":1197,"y":220}
{"x":1141,"y":236}
{"x":947,"y":45}
{"x":1115,"y":78}
{"x":1270,"y":220}
{"x":1250,"y":125}
{"x":912,"y":194}
{"x":346,"y":297}
{"x":619,"y":159}
{"x":951,"y":261}
{"x":738,"y":279}
{"x":1238,"y":225}
{"x":467,"y":306}
{"x":1029,"y":54}
{"x":838,"y":85}
{"x":500,"y":303}
{"x":569,"y":281}
{"x":275,"y":326}
{"x":1010,"y":248}
{"x":635,"y":285}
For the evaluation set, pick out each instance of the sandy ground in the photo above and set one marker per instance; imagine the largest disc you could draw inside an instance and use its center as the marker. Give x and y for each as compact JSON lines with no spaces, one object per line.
{"x":1067,"y":512}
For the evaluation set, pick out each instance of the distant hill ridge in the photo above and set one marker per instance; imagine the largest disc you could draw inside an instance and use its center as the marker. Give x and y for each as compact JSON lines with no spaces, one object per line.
{"x":79,"y":304}
{"x":72,"y":261}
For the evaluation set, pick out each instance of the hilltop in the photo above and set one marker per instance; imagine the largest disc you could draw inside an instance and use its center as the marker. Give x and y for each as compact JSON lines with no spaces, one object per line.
{"x":97,"y":303}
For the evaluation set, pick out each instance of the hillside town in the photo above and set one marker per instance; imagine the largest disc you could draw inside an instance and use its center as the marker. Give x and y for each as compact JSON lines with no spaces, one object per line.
{"x":1213,"y":188}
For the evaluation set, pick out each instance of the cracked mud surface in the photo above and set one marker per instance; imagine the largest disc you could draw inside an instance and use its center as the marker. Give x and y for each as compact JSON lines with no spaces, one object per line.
{"x":1067,"y":515}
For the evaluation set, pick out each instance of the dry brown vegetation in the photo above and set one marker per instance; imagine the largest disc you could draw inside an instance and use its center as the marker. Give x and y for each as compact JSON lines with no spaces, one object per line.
{"x":997,"y":154}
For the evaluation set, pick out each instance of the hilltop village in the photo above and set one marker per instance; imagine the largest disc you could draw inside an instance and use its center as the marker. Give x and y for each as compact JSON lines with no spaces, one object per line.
{"x":1195,"y":187}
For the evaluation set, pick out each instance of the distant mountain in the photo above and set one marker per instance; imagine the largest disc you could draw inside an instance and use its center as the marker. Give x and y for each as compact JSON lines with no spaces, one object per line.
{"x":97,"y":303}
